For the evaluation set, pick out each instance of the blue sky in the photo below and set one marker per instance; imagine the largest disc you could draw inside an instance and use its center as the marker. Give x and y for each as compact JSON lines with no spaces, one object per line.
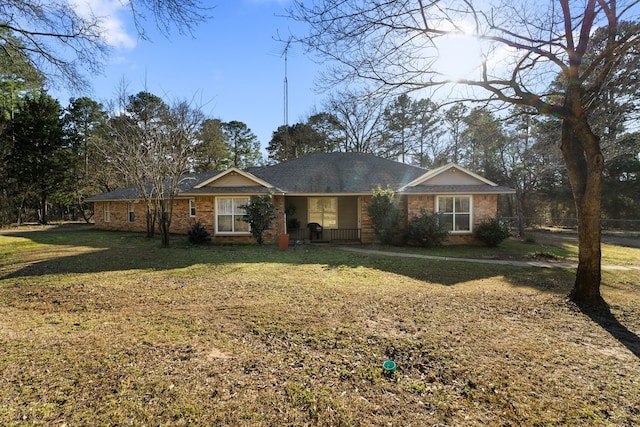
{"x":232,"y":66}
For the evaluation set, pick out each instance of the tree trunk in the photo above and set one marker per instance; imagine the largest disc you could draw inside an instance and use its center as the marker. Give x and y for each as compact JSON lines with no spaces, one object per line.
{"x":584,"y":160}
{"x":43,"y":210}
{"x":520,"y":211}
{"x":85,"y":211}
{"x":151,"y":223}
{"x":21,"y":210}
{"x":164,"y":229}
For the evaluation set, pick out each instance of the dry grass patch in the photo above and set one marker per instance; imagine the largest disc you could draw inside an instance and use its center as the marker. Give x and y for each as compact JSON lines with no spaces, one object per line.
{"x":132,"y":334}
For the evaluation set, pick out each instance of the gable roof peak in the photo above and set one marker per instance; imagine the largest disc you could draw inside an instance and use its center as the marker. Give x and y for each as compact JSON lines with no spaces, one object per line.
{"x":452,"y":167}
{"x":234,"y":171}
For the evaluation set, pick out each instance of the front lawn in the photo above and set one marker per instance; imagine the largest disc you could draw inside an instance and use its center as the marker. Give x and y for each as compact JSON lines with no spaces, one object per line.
{"x":108,"y":328}
{"x":543,"y":246}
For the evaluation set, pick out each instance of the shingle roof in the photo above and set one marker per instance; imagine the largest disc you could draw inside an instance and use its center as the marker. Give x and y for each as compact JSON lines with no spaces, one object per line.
{"x":248,"y":189}
{"x":458,"y":189}
{"x":130,"y":193}
{"x":337,"y":173}
{"x":321,"y":173}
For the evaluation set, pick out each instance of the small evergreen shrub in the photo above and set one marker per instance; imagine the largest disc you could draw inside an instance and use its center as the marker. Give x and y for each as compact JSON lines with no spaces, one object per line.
{"x":492,"y":232}
{"x":197,"y":233}
{"x":259,"y":213}
{"x":384,"y":213}
{"x":425,"y":230}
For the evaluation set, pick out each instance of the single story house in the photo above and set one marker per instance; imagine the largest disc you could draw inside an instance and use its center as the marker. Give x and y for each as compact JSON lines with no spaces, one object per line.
{"x":323,"y":196}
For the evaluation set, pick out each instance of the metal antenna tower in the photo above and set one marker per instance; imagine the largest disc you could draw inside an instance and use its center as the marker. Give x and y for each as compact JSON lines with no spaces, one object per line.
{"x":290,"y":151}
{"x":285,"y":54}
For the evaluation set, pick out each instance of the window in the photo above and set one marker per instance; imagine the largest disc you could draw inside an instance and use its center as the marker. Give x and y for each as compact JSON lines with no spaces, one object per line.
{"x":229,"y":215}
{"x":455,"y":213}
{"x":132,"y":216}
{"x":105,"y":212}
{"x":192,"y":208}
{"x":324,"y":211}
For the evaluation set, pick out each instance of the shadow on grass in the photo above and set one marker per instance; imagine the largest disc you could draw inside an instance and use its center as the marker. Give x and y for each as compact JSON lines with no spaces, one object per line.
{"x":602,"y":315}
{"x":94,"y":251}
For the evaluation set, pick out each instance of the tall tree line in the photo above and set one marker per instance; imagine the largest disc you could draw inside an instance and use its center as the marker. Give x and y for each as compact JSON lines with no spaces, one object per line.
{"x":515,"y":148}
{"x":53,"y":158}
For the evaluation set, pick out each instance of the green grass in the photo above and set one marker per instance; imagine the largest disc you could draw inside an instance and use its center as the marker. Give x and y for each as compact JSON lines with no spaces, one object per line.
{"x":542,"y":246}
{"x":108,"y":328}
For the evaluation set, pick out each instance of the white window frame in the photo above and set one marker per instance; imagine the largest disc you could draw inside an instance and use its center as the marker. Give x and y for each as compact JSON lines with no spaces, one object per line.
{"x":322,"y":222}
{"x":131,"y":216}
{"x":106,"y":214}
{"x":192,"y":208}
{"x":245,"y":200}
{"x":454,"y":213}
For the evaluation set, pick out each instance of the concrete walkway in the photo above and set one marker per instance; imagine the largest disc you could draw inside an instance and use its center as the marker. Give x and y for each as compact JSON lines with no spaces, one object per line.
{"x":538,"y":264}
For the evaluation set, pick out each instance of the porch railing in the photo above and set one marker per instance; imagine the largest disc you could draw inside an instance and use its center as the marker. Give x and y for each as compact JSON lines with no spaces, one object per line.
{"x":297,"y":234}
{"x":338,"y":235}
{"x":345,"y":235}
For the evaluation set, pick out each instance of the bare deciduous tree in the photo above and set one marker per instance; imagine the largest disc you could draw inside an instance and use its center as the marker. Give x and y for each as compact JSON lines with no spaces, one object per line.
{"x":524,"y":46}
{"x":59,"y":41}
{"x":174,"y":148}
{"x":358,"y":120}
{"x":154,"y":151}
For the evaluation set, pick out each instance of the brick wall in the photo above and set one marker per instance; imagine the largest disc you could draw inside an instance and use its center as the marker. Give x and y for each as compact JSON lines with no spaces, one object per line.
{"x":119,"y":216}
{"x":484,"y":206}
{"x":417,"y":202}
{"x":278,"y":226}
{"x":181,"y":220}
{"x":367,"y":234}
{"x":204,"y":213}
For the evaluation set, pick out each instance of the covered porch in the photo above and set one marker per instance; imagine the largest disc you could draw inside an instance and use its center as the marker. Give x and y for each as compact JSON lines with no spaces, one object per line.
{"x":327,"y":219}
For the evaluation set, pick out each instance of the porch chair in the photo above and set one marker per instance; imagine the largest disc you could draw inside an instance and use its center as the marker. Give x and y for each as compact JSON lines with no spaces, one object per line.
{"x":315,"y":228}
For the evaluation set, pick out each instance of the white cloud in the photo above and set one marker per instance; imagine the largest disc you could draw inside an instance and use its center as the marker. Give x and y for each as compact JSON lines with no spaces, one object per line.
{"x":110,"y":14}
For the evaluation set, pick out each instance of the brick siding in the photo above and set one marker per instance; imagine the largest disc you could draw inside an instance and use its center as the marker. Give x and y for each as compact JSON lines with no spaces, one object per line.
{"x":367,"y":235}
{"x":484,"y":206}
{"x":181,"y":220}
